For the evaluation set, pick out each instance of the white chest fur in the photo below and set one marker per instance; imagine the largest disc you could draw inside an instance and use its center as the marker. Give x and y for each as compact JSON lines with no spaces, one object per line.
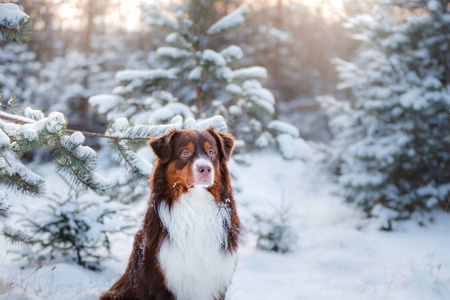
{"x":195,"y":266}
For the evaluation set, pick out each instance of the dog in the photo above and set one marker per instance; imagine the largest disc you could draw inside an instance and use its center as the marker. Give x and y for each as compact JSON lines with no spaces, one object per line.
{"x":187,"y":246}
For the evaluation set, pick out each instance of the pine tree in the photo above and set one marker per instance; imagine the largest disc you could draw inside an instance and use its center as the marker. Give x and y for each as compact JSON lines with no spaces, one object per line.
{"x":274,"y":230}
{"x":66,"y":82}
{"x":74,"y":228}
{"x":72,"y":159}
{"x":391,"y":147}
{"x":15,"y":25}
{"x":18,"y":73}
{"x":194,"y":81}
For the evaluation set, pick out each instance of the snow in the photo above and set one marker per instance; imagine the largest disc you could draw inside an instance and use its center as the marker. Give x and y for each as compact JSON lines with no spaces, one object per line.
{"x":196,"y":74}
{"x":17,"y":117}
{"x":85,"y":153}
{"x":55,"y":122}
{"x":153,"y":15}
{"x":230,"y":21}
{"x":211,"y":56}
{"x":432,"y":82}
{"x":434,"y":5}
{"x":232,"y":53}
{"x":233,"y":89}
{"x":99,"y":180}
{"x":166,"y":113}
{"x":224,"y":74}
{"x":218,"y":122}
{"x":77,"y":138}
{"x":11,"y":16}
{"x":4,"y":139}
{"x":235,"y":110}
{"x":25,"y":174}
{"x":414,"y":99}
{"x":283,"y":127}
{"x":4,"y":206}
{"x":104,"y":103}
{"x":263,"y":140}
{"x":29,"y":132}
{"x":261,"y":97}
{"x":143,"y":165}
{"x":250,"y":73}
{"x":172,"y":53}
{"x":120,"y":124}
{"x":338,"y":254}
{"x":130,"y":75}
{"x":292,"y":148}
{"x":33,"y":114}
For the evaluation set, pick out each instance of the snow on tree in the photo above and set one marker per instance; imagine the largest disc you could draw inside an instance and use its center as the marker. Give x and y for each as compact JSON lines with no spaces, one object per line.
{"x":14,"y":24}
{"x":23,"y":134}
{"x":391,"y":147}
{"x":4,"y":205}
{"x":67,"y":82}
{"x":18,"y":73}
{"x":194,"y":80}
{"x":74,"y":228}
{"x":72,"y":158}
{"x":274,"y":229}
{"x":287,"y":45}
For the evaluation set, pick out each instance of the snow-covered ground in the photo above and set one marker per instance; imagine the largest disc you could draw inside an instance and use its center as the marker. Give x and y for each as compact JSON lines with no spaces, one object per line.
{"x":338,"y":254}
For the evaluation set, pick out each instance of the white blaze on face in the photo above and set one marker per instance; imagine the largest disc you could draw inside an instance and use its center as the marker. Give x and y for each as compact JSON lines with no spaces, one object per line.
{"x":203,"y":172}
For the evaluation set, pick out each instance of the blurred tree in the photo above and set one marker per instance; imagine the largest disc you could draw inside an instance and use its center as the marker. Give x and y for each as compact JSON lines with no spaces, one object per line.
{"x":18,"y":73}
{"x":193,"y":79}
{"x":391,"y":149}
{"x":296,"y":43}
{"x":17,"y":65}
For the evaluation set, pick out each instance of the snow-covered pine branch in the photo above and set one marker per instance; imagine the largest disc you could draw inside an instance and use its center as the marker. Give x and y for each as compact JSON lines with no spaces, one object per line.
{"x":230,"y":21}
{"x":154,"y":16}
{"x":15,"y":25}
{"x":75,"y":161}
{"x":4,"y":205}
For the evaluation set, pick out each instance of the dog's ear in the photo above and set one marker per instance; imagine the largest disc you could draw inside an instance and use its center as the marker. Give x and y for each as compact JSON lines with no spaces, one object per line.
{"x":162,"y":146}
{"x":225,"y":142}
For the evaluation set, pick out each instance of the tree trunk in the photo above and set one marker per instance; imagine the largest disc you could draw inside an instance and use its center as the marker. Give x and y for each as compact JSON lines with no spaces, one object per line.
{"x":199,"y":100}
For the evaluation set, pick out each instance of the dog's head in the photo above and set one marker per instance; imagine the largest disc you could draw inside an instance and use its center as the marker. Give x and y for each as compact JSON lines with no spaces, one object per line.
{"x":192,"y":157}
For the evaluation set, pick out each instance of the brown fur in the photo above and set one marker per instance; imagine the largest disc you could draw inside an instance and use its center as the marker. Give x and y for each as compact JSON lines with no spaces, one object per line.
{"x":171,"y":177}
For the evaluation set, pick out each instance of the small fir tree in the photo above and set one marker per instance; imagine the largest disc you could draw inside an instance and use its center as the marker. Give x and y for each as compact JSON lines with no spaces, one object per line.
{"x":75,"y":229}
{"x":274,"y":229}
{"x":389,"y":152}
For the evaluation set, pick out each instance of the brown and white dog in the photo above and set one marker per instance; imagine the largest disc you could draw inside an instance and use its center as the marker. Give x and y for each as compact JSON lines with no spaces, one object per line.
{"x":187,"y":246}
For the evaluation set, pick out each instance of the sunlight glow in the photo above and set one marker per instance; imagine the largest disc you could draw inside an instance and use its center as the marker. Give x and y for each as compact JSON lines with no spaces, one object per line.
{"x":332,"y":3}
{"x":132,"y":14}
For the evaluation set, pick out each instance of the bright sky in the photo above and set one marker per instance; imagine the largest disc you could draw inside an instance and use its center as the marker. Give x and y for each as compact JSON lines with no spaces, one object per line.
{"x":129,"y":13}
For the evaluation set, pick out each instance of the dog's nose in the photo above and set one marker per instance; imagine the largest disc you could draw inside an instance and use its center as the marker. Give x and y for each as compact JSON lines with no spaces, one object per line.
{"x":204,"y":169}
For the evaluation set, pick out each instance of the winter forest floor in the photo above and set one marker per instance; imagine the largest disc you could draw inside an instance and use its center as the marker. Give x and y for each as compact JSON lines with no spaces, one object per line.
{"x":339,"y":255}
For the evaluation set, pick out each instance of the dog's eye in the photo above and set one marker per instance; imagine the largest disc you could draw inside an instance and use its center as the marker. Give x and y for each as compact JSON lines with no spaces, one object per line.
{"x":186,"y":153}
{"x":211,"y":152}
